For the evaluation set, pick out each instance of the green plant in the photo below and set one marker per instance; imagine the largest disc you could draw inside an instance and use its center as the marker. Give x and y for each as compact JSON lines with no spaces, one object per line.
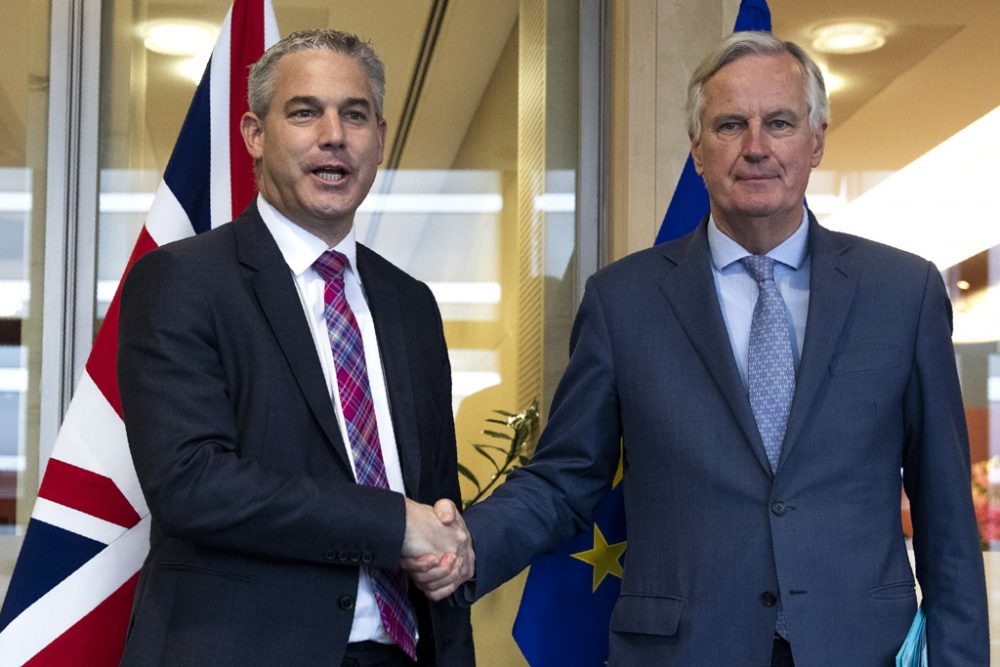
{"x":520,"y":445}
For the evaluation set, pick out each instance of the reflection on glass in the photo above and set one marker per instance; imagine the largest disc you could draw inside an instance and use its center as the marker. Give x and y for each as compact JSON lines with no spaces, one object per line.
{"x":24,"y":85}
{"x":15,"y":229}
{"x":15,"y":235}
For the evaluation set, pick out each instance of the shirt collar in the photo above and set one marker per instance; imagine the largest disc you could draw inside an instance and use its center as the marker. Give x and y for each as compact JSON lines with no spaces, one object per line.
{"x":791,"y":252}
{"x":301,"y":248}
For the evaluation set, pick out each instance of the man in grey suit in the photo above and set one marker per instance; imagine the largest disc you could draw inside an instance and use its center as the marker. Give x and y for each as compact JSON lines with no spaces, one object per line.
{"x":769,"y":380}
{"x":286,"y":393}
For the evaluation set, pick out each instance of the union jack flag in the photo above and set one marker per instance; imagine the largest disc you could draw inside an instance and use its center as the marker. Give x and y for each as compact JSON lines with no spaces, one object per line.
{"x":71,"y":591}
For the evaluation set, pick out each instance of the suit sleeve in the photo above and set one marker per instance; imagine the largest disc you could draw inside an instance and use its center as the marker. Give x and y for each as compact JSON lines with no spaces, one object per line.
{"x":182,"y":429}
{"x":550,"y":499}
{"x":936,"y":476}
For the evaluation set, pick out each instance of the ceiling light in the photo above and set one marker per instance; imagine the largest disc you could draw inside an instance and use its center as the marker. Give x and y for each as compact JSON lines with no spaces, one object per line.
{"x":853,"y":37}
{"x":963,"y":285}
{"x":833,"y":82}
{"x":178,"y":37}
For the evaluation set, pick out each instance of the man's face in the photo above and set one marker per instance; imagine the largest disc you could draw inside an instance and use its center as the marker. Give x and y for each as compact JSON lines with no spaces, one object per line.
{"x":320,"y":144}
{"x":756,"y":148}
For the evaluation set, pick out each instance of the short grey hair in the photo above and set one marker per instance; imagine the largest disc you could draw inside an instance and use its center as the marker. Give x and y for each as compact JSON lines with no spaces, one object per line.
{"x":743,"y":44}
{"x":260,"y":86}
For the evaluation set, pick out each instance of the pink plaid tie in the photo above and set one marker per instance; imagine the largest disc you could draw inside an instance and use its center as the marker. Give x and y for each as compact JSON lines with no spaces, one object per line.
{"x":359,"y":413}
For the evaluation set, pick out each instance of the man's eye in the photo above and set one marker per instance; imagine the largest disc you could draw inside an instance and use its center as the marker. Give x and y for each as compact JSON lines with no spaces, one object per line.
{"x":355,"y":116}
{"x":302,"y":113}
{"x":780,"y":124}
{"x":731,"y":126}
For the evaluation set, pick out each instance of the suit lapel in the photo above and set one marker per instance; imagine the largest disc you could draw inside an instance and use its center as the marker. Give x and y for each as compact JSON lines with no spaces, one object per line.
{"x":279,"y":300}
{"x":831,"y":290}
{"x":690,"y":289}
{"x":391,"y":330}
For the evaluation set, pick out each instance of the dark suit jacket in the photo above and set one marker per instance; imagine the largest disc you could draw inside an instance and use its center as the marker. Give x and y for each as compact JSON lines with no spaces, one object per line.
{"x":258,"y":527}
{"x":711,"y":532}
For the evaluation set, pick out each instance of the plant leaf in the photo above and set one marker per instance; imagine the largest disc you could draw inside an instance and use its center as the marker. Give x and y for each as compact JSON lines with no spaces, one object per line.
{"x":465,"y":472}
{"x":482,"y":452}
{"x":524,"y":429}
{"x":502,"y":450}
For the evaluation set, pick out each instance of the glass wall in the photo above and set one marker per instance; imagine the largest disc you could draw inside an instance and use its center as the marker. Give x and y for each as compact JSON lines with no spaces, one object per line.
{"x":24,"y":85}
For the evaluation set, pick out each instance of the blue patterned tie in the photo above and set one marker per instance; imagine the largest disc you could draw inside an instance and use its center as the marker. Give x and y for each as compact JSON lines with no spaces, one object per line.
{"x":389,"y":586}
{"x":771,"y":367}
{"x":771,"y":370}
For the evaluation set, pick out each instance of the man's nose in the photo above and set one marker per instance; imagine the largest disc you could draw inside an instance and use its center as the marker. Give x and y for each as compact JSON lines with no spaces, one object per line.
{"x":755,"y":143}
{"x":331,"y":130}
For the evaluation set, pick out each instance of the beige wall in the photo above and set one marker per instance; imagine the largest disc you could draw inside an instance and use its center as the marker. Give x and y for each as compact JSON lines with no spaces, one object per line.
{"x":655,"y":45}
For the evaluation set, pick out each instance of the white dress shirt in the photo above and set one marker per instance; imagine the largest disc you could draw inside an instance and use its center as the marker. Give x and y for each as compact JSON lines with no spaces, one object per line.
{"x":737,"y":291}
{"x":300,"y":249}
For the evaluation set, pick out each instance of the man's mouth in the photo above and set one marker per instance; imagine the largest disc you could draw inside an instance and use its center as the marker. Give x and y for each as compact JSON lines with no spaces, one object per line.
{"x":331,"y":174}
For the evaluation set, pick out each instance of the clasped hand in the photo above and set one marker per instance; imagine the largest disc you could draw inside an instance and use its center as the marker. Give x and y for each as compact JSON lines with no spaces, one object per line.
{"x":437,"y":549}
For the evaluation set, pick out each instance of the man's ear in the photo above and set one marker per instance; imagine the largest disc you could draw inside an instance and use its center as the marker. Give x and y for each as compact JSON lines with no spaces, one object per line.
{"x":252,"y":129}
{"x":382,"y":129}
{"x":819,"y":144}
{"x":696,"y":155}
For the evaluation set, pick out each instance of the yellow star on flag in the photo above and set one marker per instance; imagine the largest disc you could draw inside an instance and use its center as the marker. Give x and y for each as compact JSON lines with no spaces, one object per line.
{"x":605,"y":558}
{"x":620,"y":472}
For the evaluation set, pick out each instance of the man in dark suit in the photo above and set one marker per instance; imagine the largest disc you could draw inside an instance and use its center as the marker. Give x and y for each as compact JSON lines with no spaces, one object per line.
{"x":769,"y":380}
{"x":286,"y":393}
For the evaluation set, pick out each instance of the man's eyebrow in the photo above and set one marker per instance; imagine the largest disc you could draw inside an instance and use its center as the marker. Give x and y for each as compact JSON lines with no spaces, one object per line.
{"x":308,"y":100}
{"x":357,"y":102}
{"x":782,"y":112}
{"x":313,"y":101}
{"x":727,"y":117}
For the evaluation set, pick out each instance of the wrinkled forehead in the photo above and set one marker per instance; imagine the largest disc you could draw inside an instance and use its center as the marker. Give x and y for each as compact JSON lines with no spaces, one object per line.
{"x":323,"y":72}
{"x":771,"y":80}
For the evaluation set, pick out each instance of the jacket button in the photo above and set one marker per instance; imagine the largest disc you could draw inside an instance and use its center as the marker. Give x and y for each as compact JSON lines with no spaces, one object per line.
{"x":345,"y":602}
{"x":767,"y":599}
{"x":342,"y":556}
{"x":330,"y":554}
{"x":367,"y":557}
{"x":778,"y":507}
{"x":355,"y":557}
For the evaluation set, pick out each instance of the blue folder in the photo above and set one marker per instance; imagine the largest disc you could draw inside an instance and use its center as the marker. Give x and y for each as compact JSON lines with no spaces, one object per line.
{"x":913,"y":652}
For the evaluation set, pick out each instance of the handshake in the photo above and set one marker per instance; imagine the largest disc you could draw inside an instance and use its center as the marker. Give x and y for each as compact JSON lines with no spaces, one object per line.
{"x":437,"y":549}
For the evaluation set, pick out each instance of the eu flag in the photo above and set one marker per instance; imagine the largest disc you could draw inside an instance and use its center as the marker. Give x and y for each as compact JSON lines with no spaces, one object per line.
{"x":569,"y":595}
{"x":567,"y":600}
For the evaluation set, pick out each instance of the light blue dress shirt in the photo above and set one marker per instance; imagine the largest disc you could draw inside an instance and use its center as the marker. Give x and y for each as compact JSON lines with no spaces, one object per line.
{"x":737,"y":291}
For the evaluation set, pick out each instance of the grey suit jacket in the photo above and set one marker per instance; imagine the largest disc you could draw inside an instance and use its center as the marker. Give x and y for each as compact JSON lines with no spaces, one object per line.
{"x":713,"y":535}
{"x":258,"y":528}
